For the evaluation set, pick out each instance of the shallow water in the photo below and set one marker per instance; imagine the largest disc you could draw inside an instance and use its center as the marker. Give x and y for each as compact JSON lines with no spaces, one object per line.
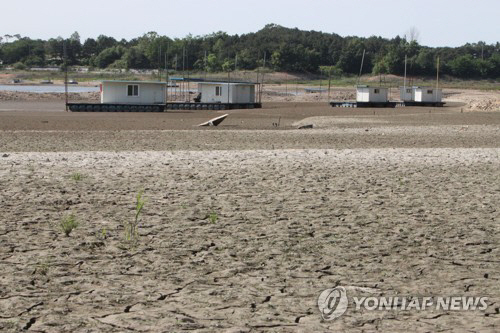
{"x":47,"y":88}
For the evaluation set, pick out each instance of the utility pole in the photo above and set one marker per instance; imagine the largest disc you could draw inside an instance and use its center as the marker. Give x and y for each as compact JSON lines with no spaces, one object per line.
{"x":262,"y":77}
{"x":361,"y":69}
{"x":159,"y":64}
{"x":437,"y":75}
{"x":183,"y":72}
{"x":166,"y":72}
{"x":329,"y":82}
{"x":404,"y":81}
{"x":286,"y":83}
{"x":65,"y":73}
{"x":320,"y":82}
{"x":206,"y":68}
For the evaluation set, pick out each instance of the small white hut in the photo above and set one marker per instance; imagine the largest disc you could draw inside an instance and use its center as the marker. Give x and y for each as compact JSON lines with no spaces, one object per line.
{"x":133,"y":92}
{"x":223,"y":92}
{"x":427,"y":94}
{"x":407,"y":94}
{"x":369,"y":94}
{"x":420,"y":94}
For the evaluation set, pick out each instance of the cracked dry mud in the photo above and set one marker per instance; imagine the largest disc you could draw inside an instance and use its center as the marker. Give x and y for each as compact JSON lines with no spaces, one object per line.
{"x":290,"y":224}
{"x":403,"y":208}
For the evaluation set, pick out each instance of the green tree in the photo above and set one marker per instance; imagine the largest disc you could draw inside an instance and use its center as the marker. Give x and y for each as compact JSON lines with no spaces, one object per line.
{"x":109,"y":56}
{"x":351,"y":56}
{"x":464,"y":66}
{"x":212,"y":63}
{"x":135,"y":58}
{"x":425,"y":62}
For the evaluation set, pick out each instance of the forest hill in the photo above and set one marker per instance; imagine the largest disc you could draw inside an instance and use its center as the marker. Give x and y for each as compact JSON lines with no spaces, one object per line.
{"x":275,"y":47}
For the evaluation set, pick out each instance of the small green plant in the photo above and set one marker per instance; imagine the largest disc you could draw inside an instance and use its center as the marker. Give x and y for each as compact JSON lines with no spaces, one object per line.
{"x":102,"y":234}
{"x":77,"y":176}
{"x":42,"y":268}
{"x":131,"y":228}
{"x":68,"y":223}
{"x":213,"y":217}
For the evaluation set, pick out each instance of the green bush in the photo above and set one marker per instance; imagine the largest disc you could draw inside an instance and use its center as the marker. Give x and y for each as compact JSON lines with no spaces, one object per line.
{"x":20,"y":66}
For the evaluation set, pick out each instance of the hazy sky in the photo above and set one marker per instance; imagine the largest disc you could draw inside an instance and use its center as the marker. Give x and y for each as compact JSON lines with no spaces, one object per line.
{"x":440,"y":22}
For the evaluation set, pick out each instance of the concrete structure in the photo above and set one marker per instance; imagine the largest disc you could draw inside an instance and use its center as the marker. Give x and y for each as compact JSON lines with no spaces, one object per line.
{"x":133,"y":92}
{"x":420,"y":94}
{"x":367,"y":94}
{"x":223,"y":92}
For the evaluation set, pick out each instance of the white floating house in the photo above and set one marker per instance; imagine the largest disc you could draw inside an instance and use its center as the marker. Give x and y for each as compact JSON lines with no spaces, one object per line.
{"x":133,"y":92}
{"x":407,"y":94}
{"x":223,"y":92}
{"x":367,"y":94}
{"x":420,"y":94}
{"x":426,"y":94}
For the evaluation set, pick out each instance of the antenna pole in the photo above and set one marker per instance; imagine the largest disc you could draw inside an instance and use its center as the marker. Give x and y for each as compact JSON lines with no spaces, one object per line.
{"x":404,"y":82}
{"x":320,"y":81}
{"x":286,"y":83}
{"x":329,"y":82}
{"x":437,"y":77}
{"x":65,"y":73}
{"x":361,"y":69}
{"x":159,"y":64}
{"x":183,"y":72}
{"x":206,"y":68}
{"x":262,"y":76}
{"x":166,"y":71}
{"x":188,"y":76}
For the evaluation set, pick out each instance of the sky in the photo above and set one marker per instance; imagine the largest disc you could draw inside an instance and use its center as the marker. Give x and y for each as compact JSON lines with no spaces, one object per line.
{"x":439,"y":22}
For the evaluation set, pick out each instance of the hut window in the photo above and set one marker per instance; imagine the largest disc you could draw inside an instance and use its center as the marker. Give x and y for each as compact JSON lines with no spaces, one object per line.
{"x":218,"y":91}
{"x":376,"y":91}
{"x":133,"y":90}
{"x":408,"y":91}
{"x":429,"y":91}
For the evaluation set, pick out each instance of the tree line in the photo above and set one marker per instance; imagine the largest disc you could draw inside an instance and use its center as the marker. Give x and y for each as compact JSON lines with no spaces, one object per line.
{"x":274,"y":47}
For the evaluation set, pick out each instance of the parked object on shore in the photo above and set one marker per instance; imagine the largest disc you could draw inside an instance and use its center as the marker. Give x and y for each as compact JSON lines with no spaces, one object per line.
{"x":367,"y":96}
{"x":421,"y":96}
{"x":214,"y":121}
{"x":227,"y":92}
{"x":153,"y":96}
{"x":15,"y":81}
{"x":133,"y":92}
{"x":46,"y":82}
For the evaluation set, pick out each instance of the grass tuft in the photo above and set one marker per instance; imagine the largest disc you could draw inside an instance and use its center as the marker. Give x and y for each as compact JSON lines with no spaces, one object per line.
{"x":131,"y":228}
{"x":77,"y":176}
{"x":213,"y":217}
{"x":68,"y":224}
